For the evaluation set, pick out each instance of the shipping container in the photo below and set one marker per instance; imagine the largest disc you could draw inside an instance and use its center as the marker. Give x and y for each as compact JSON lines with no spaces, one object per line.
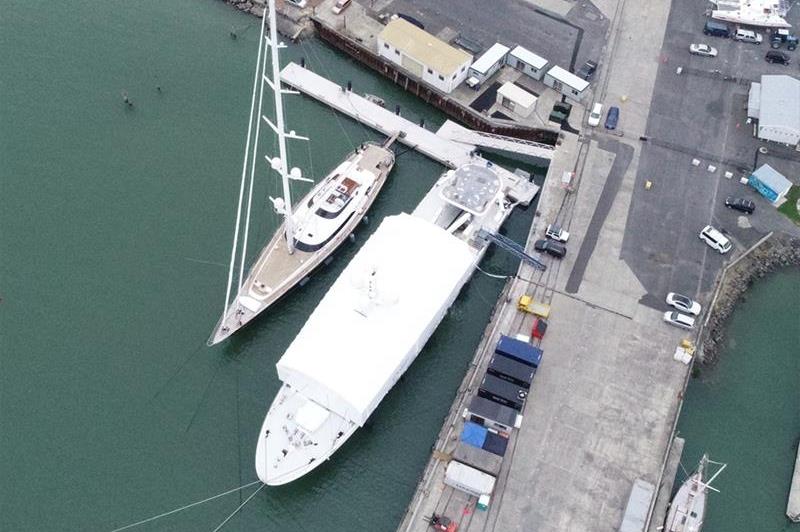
{"x":519,"y":351}
{"x":492,"y":415}
{"x":510,"y":370}
{"x":503,"y":392}
{"x":478,"y":458}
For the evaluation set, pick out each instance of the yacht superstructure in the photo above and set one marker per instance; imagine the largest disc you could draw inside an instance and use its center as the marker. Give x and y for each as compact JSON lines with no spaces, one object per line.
{"x":762,"y":13}
{"x":687,"y":510}
{"x":376,"y":318}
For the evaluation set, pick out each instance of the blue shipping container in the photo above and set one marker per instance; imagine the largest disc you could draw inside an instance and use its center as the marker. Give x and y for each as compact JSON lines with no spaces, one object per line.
{"x":519,"y":351}
{"x":474,"y":434}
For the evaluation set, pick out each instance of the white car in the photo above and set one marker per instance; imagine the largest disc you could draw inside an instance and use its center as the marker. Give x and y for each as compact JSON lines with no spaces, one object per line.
{"x":595,"y":115}
{"x":299,"y":3}
{"x":340,"y":6}
{"x":679,"y":320}
{"x":555,"y":232}
{"x":683,"y":303}
{"x":703,"y":49}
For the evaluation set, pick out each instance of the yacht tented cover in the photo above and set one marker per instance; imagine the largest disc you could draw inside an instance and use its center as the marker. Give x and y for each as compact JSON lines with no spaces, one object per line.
{"x":377,"y":316}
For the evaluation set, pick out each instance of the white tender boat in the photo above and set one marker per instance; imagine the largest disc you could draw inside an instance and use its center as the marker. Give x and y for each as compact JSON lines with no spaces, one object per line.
{"x":313,"y":230}
{"x":687,"y":510}
{"x":375,"y":319}
{"x":761,"y":13}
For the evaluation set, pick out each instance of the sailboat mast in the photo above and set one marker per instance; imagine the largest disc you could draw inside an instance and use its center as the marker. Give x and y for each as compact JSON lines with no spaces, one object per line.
{"x":282,"y":166}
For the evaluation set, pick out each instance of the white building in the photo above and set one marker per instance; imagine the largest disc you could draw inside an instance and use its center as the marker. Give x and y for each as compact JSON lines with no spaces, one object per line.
{"x":566,"y":83}
{"x":516,"y":99}
{"x":489,"y":62}
{"x":527,"y":62}
{"x":775,"y":104}
{"x":423,"y":55}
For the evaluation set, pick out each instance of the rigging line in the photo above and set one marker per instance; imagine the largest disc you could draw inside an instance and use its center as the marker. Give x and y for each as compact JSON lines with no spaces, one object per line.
{"x":177,"y":371}
{"x":239,"y":508}
{"x":203,"y":397}
{"x":176,"y":510}
{"x":253,"y":169}
{"x":492,"y":275}
{"x":244,"y":172}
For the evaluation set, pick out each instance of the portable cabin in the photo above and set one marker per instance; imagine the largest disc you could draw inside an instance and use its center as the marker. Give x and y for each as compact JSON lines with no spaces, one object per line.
{"x":503,"y":392}
{"x":769,"y":183}
{"x":527,"y":62}
{"x":566,"y":83}
{"x":468,"y":479}
{"x":511,"y":370}
{"x":516,"y":99}
{"x":489,"y":62}
{"x":492,"y":415}
{"x":519,"y":351}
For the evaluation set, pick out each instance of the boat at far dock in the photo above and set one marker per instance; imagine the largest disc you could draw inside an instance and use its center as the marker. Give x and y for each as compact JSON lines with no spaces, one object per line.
{"x":312,"y":230}
{"x":687,"y":511}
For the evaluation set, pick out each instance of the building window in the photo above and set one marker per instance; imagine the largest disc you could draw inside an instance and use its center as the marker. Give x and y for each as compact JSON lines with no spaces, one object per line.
{"x":441,"y":78}
{"x":463,"y":68}
{"x":454,"y":75}
{"x":430,"y":71}
{"x":396,"y":51}
{"x":386,"y":45}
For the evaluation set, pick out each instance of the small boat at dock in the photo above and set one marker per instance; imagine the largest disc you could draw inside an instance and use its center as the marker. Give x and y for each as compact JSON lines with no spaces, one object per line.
{"x":687,"y":511}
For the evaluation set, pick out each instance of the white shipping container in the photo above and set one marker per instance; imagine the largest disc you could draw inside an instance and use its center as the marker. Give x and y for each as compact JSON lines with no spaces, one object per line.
{"x":468,"y":479}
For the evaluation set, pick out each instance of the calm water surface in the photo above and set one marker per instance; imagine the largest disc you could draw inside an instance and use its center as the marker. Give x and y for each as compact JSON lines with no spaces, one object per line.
{"x":115,"y":229}
{"x":746,"y":411}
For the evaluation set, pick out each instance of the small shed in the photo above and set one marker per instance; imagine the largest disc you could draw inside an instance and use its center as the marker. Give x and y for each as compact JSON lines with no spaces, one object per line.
{"x":635,"y":517}
{"x":490,"y":62}
{"x":527,"y":62}
{"x":770,"y":183}
{"x":566,"y":83}
{"x":516,"y":99}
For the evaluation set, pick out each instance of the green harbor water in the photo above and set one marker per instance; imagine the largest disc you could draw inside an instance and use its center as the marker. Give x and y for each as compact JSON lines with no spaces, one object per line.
{"x":746,"y":411}
{"x":115,"y":233}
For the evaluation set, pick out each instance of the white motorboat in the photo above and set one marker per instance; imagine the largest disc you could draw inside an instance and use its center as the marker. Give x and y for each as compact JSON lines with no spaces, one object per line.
{"x":687,"y":510}
{"x":761,"y":13}
{"x":313,"y":229}
{"x":376,"y":317}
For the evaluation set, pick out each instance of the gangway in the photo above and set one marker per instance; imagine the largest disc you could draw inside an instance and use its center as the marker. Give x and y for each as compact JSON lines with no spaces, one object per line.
{"x":512,"y":247}
{"x":452,"y":131}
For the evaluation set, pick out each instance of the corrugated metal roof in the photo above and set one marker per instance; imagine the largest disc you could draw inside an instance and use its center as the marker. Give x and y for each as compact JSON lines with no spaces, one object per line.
{"x":780,"y":102}
{"x":490,"y":58}
{"x":424,"y":47}
{"x":754,"y":100}
{"x":568,"y":78}
{"x":526,"y":56}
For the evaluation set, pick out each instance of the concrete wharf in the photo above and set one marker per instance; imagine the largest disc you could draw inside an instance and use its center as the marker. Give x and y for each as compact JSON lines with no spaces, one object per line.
{"x":793,"y":506}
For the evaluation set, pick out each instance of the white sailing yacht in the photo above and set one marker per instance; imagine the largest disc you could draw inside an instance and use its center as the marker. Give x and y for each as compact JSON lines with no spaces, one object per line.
{"x":687,"y":510}
{"x":378,"y":315}
{"x":761,"y":13}
{"x":313,"y":229}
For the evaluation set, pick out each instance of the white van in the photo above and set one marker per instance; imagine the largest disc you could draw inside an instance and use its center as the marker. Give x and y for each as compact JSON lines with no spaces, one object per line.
{"x":715,"y":239}
{"x":748,"y":36}
{"x":595,"y":115}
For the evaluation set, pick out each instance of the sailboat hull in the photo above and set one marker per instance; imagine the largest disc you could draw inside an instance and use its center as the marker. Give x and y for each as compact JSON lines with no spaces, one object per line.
{"x":276,"y":271}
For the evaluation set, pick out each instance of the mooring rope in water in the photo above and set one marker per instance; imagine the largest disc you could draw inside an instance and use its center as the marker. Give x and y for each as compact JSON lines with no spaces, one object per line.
{"x":239,"y":508}
{"x":159,"y":516}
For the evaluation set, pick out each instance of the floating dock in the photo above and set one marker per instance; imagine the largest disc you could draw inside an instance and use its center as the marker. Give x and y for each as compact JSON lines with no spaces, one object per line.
{"x":793,"y":507}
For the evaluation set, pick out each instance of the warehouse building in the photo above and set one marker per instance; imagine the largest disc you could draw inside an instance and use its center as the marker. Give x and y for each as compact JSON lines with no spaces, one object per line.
{"x":775,"y":104}
{"x":433,"y":61}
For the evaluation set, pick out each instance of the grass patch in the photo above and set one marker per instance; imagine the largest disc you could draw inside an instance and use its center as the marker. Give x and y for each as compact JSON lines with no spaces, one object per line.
{"x":789,"y":208}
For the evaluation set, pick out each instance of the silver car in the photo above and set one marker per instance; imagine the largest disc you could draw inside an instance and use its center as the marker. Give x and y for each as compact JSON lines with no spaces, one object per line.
{"x":679,"y":320}
{"x":703,"y":50}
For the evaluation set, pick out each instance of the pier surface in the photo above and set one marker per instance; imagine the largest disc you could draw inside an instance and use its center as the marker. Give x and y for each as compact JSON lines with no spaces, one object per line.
{"x":793,"y":507}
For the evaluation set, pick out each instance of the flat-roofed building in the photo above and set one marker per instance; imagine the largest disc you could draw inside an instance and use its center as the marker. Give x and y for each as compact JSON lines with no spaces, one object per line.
{"x":489,"y":62}
{"x":430,"y":59}
{"x":516,"y":99}
{"x":566,"y":83}
{"x":527,"y":62}
{"x":775,"y":103}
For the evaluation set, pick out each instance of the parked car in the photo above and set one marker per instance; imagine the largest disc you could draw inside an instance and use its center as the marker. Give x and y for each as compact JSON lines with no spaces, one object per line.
{"x":595,"y":115}
{"x":683,"y":303}
{"x":740,"y":204}
{"x":299,"y":3}
{"x":679,"y":320}
{"x":717,"y":29}
{"x":555,"y":232}
{"x":612,"y":117}
{"x":340,"y":6}
{"x":551,"y":247}
{"x":587,"y":70}
{"x":703,"y":50}
{"x":774,"y":56}
{"x":748,"y":36}
{"x":715,"y":239}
